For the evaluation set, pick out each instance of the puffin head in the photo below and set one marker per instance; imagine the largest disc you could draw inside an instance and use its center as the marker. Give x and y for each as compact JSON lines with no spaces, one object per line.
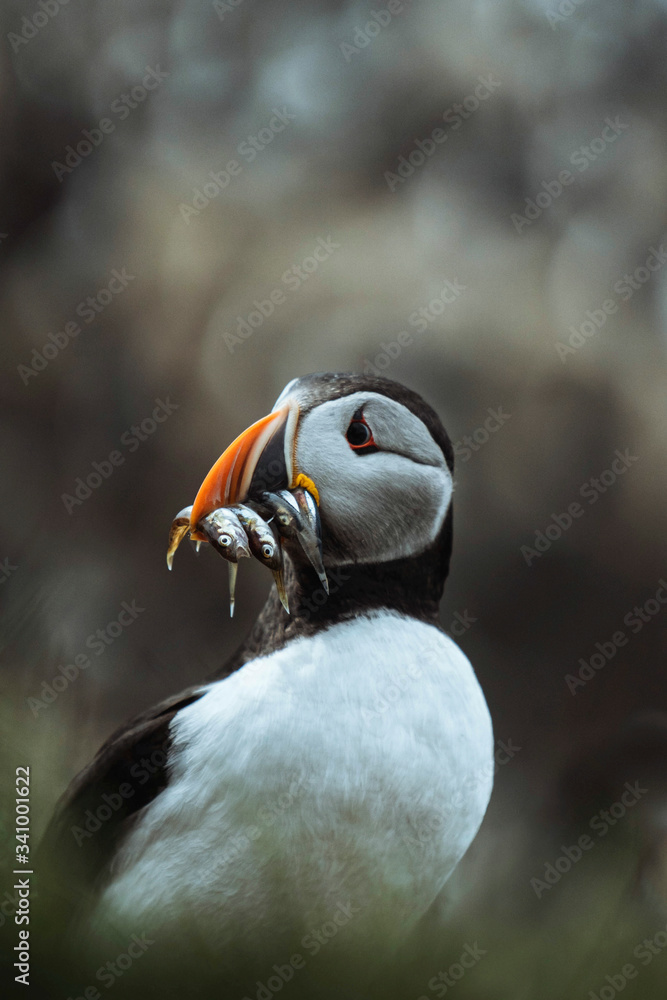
{"x":379,"y":463}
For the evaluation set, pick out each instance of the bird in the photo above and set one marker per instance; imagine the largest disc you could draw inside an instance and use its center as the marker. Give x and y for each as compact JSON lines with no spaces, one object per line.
{"x":311,"y":799}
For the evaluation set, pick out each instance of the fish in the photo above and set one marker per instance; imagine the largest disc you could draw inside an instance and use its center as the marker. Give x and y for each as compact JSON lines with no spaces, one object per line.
{"x":225,"y":533}
{"x":298,"y":518}
{"x":241,"y":530}
{"x":264,"y":546}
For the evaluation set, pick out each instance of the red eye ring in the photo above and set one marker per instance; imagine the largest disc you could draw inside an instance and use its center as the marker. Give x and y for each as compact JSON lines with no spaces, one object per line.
{"x":359,"y":435}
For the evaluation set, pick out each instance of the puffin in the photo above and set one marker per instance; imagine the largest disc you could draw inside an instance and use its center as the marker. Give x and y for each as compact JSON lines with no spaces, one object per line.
{"x":310,"y":800}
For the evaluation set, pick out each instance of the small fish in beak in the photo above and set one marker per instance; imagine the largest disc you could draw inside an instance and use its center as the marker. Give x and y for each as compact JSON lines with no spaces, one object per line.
{"x":297,"y":517}
{"x":264,"y":546}
{"x":311,"y":535}
{"x":256,"y":472}
{"x":223,"y":529}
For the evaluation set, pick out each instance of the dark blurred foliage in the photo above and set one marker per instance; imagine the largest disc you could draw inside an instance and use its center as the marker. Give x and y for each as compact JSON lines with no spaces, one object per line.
{"x":168,"y":336}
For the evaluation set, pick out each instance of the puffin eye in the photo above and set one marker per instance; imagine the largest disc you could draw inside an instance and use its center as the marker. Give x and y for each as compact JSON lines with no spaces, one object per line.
{"x":359,"y":435}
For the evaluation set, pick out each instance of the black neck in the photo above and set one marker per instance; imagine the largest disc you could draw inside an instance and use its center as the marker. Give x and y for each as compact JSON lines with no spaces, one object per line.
{"x":411,"y":587}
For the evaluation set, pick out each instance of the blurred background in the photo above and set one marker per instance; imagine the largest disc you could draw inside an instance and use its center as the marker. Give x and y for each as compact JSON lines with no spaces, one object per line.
{"x":485,"y":187}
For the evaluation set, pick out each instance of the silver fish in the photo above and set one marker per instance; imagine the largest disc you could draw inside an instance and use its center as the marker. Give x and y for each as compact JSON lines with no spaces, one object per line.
{"x":297,"y":517}
{"x":310,"y":535}
{"x":224,"y":531}
{"x":283,"y":507}
{"x":264,"y":546}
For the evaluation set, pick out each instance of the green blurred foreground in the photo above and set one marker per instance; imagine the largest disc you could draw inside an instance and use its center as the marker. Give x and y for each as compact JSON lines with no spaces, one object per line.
{"x":541,"y":914}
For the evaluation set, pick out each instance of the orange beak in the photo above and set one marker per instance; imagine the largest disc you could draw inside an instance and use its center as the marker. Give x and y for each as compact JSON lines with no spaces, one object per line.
{"x":263,"y":453}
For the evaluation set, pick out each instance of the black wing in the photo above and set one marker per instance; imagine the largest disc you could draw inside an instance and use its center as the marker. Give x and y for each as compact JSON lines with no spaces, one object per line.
{"x":102,"y":804}
{"x":100,"y":807}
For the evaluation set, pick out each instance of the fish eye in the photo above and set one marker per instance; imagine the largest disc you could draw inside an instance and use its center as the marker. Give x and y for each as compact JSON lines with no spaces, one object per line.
{"x":359,"y":434}
{"x":267,"y":550}
{"x":284,"y":518}
{"x":225,"y":540}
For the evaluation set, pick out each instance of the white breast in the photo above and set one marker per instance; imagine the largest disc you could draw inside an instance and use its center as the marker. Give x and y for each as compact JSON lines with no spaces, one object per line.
{"x":350,"y":769}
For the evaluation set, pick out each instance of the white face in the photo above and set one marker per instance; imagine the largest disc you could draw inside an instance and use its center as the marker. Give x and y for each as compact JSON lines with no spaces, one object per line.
{"x":375,"y":505}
